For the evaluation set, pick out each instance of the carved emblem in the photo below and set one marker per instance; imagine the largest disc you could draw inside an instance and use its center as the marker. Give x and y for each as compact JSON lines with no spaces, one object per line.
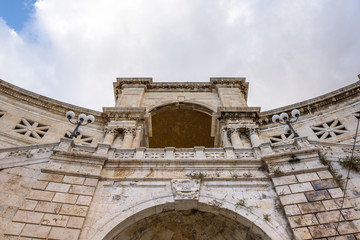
{"x":186,"y":189}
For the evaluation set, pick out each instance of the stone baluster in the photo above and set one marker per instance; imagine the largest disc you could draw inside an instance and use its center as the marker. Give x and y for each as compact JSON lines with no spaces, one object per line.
{"x":253,"y":133}
{"x":225,"y":138}
{"x":137,"y":139}
{"x":110,"y":134}
{"x":235,"y":137}
{"x":129,"y":134}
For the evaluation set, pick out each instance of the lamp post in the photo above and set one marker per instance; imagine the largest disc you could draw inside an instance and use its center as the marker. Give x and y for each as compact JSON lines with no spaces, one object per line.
{"x":285,"y":120}
{"x":81,"y":121}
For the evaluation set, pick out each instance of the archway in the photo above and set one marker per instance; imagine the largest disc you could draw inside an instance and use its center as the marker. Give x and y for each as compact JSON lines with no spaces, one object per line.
{"x":187,"y":225}
{"x":181,"y":125}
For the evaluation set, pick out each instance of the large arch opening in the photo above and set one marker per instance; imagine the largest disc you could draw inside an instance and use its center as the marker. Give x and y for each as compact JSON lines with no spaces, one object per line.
{"x":187,"y":224}
{"x":181,"y":126}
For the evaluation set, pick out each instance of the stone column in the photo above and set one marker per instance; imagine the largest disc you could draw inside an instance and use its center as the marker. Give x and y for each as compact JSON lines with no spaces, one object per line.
{"x":225,"y":139}
{"x":235,"y":137}
{"x":253,"y":133}
{"x":110,"y":134}
{"x":137,"y":139}
{"x":129,"y":134}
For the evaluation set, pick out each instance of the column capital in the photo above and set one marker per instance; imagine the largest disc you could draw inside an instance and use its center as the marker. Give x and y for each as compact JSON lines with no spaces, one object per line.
{"x":111,"y":130}
{"x":130,"y":131}
{"x":252,"y":130}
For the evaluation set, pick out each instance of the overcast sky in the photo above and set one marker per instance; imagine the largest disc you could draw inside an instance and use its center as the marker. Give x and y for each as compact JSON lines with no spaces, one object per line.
{"x":289,"y":50}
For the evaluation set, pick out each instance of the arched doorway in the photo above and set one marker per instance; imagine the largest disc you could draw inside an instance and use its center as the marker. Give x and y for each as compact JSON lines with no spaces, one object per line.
{"x":187,"y":225}
{"x":181,"y":125}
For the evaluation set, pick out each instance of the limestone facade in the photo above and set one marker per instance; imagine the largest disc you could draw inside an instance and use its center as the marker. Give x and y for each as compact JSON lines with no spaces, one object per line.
{"x":178,"y":161}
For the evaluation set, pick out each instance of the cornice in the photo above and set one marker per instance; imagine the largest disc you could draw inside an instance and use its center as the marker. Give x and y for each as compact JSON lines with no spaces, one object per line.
{"x":124,"y":113}
{"x":315,"y":104}
{"x":230,"y":82}
{"x":42,"y":102}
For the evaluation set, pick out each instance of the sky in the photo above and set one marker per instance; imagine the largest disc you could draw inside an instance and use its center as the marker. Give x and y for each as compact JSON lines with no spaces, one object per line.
{"x":72,"y":51}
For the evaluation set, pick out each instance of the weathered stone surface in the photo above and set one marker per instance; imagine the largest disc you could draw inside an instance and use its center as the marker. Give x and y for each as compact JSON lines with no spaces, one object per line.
{"x":29,"y":205}
{"x":324,"y":184}
{"x":302,"y":233}
{"x":83,"y":190}
{"x":35,"y":231}
{"x":301,"y":187}
{"x":317,"y":195}
{"x":14,"y":228}
{"x":324,"y":174}
{"x":73,"y":210}
{"x":73,"y":180}
{"x":51,"y":177}
{"x":293,"y":198}
{"x":28,"y":216}
{"x":307,"y":177}
{"x":54,"y":220}
{"x":282,"y":190}
{"x":291,"y":210}
{"x":333,"y":204}
{"x":285,"y":180}
{"x":311,"y":207}
{"x":40,"y":195}
{"x":58,"y":187}
{"x":48,"y":207}
{"x":336,"y":192}
{"x":303,"y":220}
{"x":84,"y":200}
{"x":64,"y":233}
{"x":347,"y":228}
{"x":65,"y":198}
{"x":91,"y":182}
{"x":75,"y":222}
{"x":329,"y":217}
{"x":350,"y":214}
{"x":322,"y":231}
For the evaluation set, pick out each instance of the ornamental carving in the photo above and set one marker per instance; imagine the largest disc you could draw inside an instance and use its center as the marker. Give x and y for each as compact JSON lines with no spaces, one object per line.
{"x":129,"y":131}
{"x":31,"y":129}
{"x":112,"y":131}
{"x":186,"y":189}
{"x":329,"y":129}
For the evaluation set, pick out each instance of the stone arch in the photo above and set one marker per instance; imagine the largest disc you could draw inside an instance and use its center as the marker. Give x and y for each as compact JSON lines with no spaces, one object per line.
{"x":181,"y":125}
{"x":110,"y":227}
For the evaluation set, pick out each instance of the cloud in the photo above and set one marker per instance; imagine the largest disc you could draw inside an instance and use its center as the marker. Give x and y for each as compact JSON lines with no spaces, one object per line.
{"x":288,"y":50}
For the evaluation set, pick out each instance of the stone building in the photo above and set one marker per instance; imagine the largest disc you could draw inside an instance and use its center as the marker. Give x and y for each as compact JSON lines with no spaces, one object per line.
{"x":178,"y":161}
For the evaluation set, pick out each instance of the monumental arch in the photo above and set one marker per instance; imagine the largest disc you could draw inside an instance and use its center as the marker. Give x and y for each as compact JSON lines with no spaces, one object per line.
{"x":170,"y":161}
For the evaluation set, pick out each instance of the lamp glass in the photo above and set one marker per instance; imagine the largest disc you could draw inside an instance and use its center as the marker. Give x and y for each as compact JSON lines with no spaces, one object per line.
{"x":284,"y":116}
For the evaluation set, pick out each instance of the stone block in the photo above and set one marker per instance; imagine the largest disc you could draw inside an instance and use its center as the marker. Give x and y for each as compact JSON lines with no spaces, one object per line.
{"x":317,"y":195}
{"x":82,"y":190}
{"x":84,"y":200}
{"x":40,"y":185}
{"x":347,"y":228}
{"x":35,"y":231}
{"x":285,"y":180}
{"x":301,"y":187}
{"x":291,"y":210}
{"x":303,"y":220}
{"x":64,"y":233}
{"x":54,"y":220}
{"x":347,"y":237}
{"x":320,"y":231}
{"x":40,"y":195}
{"x":307,"y":177}
{"x":58,"y":187}
{"x":28,"y":217}
{"x":65,"y":198}
{"x":29,"y":205}
{"x":333,"y":204}
{"x":329,"y":217}
{"x":73,"y":210}
{"x":350,"y":214}
{"x":293,"y":199}
{"x":91,"y":182}
{"x":10,"y":212}
{"x":311,"y":207}
{"x":324,"y":184}
{"x":14,"y":228}
{"x":75,"y":222}
{"x":48,"y":207}
{"x":282,"y":190}
{"x":336,"y":192}
{"x":302,"y":234}
{"x":51,"y":177}
{"x":74,"y":180}
{"x":324,"y":174}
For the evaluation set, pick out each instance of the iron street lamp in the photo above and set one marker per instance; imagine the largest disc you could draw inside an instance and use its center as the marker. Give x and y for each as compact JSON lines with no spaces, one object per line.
{"x":81,"y":121}
{"x":285,"y":120}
